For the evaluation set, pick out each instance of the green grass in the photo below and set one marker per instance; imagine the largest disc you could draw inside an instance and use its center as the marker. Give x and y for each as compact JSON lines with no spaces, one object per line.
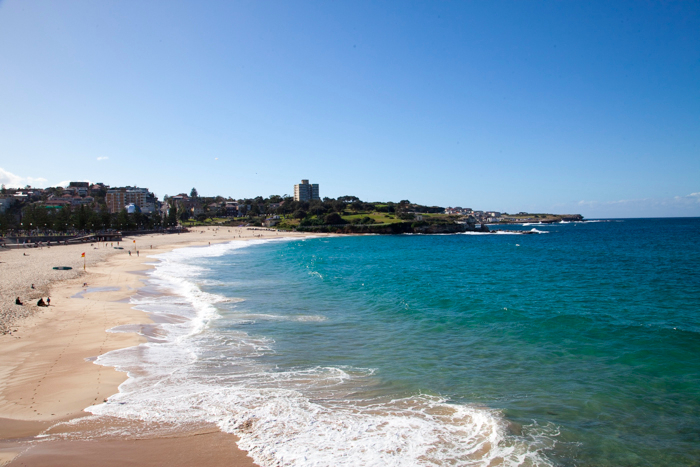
{"x":378,"y":217}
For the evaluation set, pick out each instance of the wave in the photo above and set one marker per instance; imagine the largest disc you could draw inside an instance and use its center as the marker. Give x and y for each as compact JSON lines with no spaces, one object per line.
{"x":255,"y":317}
{"x":298,"y":416}
{"x":503,"y":232}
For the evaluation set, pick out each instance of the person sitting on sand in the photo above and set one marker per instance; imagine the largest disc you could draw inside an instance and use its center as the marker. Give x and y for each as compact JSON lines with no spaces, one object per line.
{"x":41,"y":302}
{"x":18,"y":301}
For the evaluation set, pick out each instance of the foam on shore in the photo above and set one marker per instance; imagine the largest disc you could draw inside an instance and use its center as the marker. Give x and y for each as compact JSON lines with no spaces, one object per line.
{"x":298,"y":416}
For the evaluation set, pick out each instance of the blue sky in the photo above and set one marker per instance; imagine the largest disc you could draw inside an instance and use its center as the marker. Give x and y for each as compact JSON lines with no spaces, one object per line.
{"x":576,"y":107}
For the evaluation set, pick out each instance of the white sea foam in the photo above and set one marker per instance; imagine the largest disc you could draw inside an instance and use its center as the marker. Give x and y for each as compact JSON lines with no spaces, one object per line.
{"x":299,"y":416}
{"x":500,"y":232}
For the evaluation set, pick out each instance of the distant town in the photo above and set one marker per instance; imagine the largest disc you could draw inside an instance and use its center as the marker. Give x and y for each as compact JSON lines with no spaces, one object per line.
{"x":92,"y":207}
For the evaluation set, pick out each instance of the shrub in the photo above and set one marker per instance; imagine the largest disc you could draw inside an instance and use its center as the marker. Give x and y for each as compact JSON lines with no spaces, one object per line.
{"x":334,"y":218}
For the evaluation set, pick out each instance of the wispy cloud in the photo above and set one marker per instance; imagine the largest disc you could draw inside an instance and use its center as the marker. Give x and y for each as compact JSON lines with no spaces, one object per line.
{"x":691,"y":199}
{"x":102,"y":158}
{"x":11,"y":180}
{"x":687,"y":205}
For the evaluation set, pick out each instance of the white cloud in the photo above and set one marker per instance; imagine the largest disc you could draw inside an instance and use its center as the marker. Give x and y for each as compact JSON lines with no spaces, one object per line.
{"x":102,"y":158}
{"x":11,"y":180}
{"x":688,"y":205}
{"x":676,"y":200}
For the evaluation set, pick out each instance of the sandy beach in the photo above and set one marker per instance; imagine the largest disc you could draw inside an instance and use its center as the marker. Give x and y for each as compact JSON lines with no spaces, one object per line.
{"x":46,"y":372}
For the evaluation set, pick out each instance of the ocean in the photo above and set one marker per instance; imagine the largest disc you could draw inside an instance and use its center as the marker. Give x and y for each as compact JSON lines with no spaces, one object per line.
{"x":578,"y":345}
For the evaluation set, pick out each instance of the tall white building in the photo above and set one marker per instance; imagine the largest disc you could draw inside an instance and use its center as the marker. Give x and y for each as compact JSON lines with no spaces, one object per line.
{"x":118,"y":198}
{"x":305,"y":191}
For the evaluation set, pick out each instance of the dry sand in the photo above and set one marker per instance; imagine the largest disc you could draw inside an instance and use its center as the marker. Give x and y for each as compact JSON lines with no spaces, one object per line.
{"x":46,"y":374}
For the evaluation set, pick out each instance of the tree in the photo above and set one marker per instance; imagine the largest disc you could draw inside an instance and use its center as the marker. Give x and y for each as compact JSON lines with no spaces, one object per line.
{"x":193,"y":193}
{"x":81,"y":217}
{"x":334,"y":219}
{"x":155,"y":220}
{"x":338,"y":206}
{"x":62,"y":219}
{"x":299,"y":214}
{"x":7,"y":221}
{"x":105,"y":218}
{"x":172,"y":215}
{"x":122,"y":220}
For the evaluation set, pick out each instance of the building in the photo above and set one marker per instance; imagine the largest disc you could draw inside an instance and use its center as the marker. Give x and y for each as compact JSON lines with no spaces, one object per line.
{"x":5,"y":204}
{"x":305,"y":191}
{"x":79,"y":188}
{"x":232,"y":209}
{"x":271,"y":221}
{"x":77,"y":200}
{"x":118,"y":198}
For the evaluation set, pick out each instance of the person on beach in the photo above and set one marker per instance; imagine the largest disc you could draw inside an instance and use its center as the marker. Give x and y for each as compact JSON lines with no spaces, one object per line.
{"x":137,"y":252}
{"x":48,"y":301}
{"x":129,"y":252}
{"x":18,"y":301}
{"x":32,"y":286}
{"x":41,"y":302}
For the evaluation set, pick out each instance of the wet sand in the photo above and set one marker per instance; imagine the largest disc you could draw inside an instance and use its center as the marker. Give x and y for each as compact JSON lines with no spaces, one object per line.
{"x":46,"y":370}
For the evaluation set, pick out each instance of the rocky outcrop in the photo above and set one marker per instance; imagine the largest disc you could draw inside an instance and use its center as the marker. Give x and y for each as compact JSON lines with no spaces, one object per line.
{"x":400,"y":228}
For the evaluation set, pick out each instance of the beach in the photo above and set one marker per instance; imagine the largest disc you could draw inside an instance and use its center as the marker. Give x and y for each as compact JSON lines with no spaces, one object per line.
{"x":47,"y":375}
{"x":574,"y":346}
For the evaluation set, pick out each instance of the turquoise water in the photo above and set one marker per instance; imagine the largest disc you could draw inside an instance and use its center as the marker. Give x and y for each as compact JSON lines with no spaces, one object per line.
{"x":582,"y":345}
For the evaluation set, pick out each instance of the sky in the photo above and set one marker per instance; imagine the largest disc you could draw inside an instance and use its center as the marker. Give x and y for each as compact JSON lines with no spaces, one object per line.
{"x":589,"y":107}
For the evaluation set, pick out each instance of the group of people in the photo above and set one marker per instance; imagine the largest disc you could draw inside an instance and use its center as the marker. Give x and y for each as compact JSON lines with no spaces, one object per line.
{"x":41,"y":302}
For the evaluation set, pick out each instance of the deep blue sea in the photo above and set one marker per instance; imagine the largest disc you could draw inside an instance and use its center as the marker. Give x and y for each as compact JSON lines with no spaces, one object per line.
{"x":575,"y":346}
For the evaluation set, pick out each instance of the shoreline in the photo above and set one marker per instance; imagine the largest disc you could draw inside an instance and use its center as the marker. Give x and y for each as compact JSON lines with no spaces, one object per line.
{"x":45,"y":373}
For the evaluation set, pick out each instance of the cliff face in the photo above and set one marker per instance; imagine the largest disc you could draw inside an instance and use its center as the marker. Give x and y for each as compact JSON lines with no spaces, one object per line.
{"x":411,"y":227}
{"x":448,"y":228}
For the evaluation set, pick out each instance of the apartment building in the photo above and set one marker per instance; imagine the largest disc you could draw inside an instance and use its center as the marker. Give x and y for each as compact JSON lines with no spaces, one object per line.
{"x":306,"y":191}
{"x":118,"y":198}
